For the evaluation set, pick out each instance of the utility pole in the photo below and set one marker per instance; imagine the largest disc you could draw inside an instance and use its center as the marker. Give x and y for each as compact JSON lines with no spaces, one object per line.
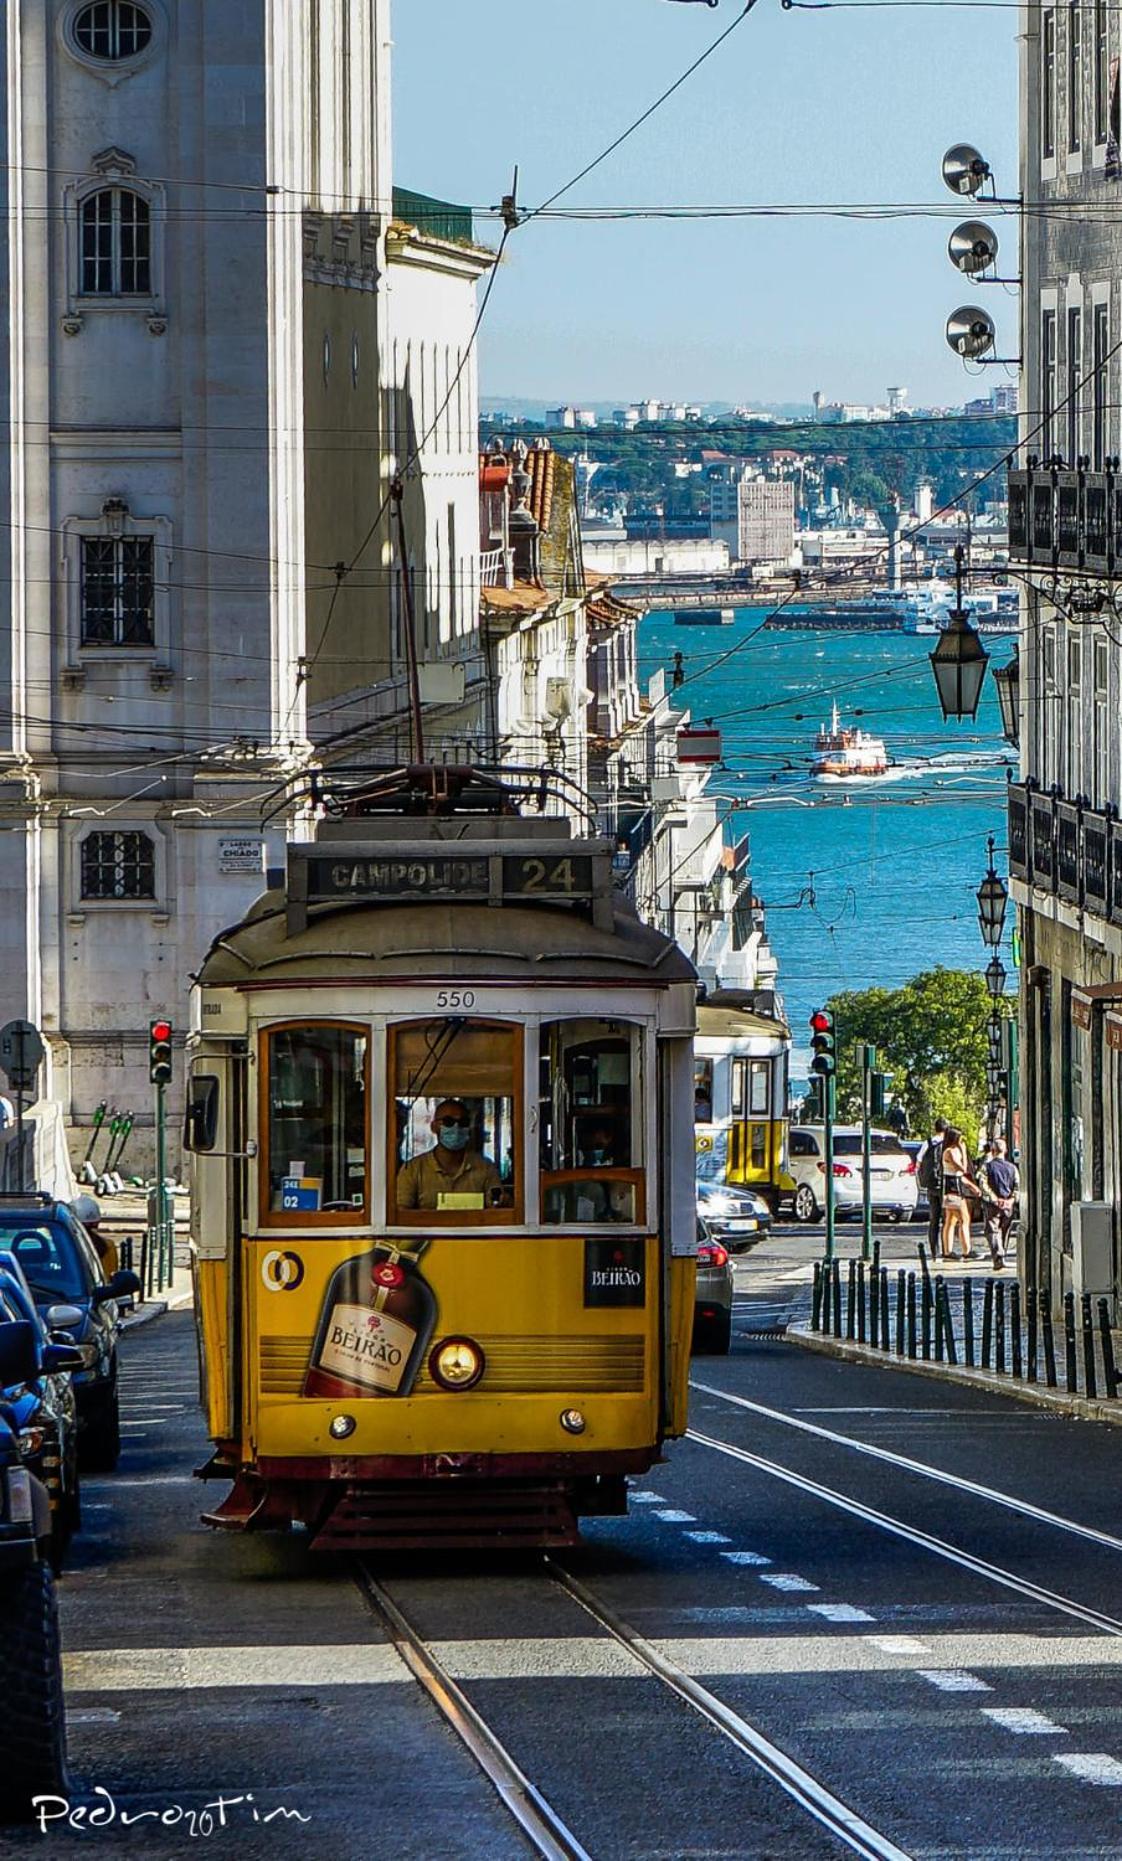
{"x":868,"y":1067}
{"x":824,"y":1067}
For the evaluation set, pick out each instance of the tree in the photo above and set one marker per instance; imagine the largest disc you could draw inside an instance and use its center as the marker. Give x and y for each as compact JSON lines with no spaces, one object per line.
{"x":931,"y":1036}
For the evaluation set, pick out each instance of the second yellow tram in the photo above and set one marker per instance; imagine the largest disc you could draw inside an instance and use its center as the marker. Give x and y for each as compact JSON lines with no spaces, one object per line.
{"x":741,"y":1061}
{"x":443,"y":1202}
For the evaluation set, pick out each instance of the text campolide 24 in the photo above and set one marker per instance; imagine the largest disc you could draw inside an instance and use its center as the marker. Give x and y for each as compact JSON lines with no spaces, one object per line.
{"x":439,"y":1112}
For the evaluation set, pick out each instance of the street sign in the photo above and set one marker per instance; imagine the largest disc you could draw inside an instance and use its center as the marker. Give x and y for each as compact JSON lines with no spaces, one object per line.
{"x":21,"y":1054}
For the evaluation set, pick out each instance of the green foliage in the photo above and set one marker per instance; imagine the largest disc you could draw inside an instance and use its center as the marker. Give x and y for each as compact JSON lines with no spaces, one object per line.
{"x":931,"y":1035}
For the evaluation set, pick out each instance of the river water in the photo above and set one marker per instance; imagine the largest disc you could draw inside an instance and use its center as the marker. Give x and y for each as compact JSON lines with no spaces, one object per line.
{"x":869,"y":881}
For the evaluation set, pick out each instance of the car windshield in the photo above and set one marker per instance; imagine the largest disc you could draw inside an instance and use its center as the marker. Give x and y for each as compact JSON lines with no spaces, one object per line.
{"x":50,"y":1256}
{"x":848,"y":1144}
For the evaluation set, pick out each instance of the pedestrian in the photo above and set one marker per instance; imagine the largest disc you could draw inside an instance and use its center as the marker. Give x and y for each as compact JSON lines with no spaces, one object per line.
{"x":999,"y":1180}
{"x":957,"y":1185}
{"x":89,"y":1214}
{"x":929,"y":1176}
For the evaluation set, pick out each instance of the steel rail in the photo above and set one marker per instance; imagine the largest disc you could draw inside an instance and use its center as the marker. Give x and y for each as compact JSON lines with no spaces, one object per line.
{"x":539,"y":1823}
{"x":814,"y":1797}
{"x":1106,"y":1624}
{"x":1023,"y":1507}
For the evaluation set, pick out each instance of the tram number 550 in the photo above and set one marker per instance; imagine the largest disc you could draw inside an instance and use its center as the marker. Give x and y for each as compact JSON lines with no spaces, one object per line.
{"x":455,"y":998}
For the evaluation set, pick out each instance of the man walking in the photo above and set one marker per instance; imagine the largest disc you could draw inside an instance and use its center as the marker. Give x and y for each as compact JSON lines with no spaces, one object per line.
{"x":929,"y":1176}
{"x":999,"y":1182}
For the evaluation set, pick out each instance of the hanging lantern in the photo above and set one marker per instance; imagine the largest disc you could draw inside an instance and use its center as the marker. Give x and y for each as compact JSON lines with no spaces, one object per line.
{"x":959,"y":663}
{"x":993,"y":898}
{"x":1007,"y":679}
{"x":995,"y":978}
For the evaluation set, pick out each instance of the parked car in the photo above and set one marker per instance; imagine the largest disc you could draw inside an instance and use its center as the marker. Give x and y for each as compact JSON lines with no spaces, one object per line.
{"x":32,"y":1716}
{"x":61,"y":1266}
{"x":923,"y":1207}
{"x":892,"y":1173}
{"x":712,"y":1311}
{"x":737,"y":1216}
{"x":44,"y":1410}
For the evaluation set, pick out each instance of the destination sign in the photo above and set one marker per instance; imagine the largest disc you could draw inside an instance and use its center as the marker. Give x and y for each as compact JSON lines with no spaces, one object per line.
{"x":449,"y":875}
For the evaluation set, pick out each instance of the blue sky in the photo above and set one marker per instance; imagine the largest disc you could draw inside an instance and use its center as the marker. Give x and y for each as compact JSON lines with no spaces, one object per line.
{"x":842,"y":105}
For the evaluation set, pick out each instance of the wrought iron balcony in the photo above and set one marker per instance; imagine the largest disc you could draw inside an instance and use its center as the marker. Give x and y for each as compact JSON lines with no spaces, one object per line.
{"x":1066,"y":519}
{"x":1066,"y":849}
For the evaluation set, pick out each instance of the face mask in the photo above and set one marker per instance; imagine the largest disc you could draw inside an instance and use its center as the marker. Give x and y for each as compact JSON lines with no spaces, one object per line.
{"x":454,"y":1137}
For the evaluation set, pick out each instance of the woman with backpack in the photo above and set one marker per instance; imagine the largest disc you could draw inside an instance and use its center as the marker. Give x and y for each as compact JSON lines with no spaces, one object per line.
{"x":957,"y":1184}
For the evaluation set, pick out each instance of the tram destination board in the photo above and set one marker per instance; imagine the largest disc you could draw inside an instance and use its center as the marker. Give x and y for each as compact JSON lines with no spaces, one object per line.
{"x":549,"y":874}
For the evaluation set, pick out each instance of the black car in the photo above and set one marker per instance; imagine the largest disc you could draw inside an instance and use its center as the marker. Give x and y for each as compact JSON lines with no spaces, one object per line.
{"x":60,"y":1264}
{"x":43,"y":1409}
{"x":32,"y":1716}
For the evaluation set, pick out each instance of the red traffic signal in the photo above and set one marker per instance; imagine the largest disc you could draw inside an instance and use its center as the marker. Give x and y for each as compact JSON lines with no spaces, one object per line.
{"x":160,"y":1030}
{"x":159,"y":1052}
{"x":821,"y":1021}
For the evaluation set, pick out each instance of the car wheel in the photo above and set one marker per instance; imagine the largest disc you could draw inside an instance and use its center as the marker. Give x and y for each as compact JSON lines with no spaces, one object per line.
{"x":714,"y":1338}
{"x":804,"y":1207}
{"x":101,"y":1442}
{"x":32,"y":1716}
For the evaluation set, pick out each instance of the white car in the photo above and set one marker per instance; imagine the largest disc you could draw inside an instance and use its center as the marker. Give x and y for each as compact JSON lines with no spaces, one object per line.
{"x":892,"y":1173}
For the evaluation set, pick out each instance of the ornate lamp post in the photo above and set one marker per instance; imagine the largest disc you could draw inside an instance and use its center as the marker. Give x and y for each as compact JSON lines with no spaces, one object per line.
{"x":1007,"y":679}
{"x":993,"y":899}
{"x":995,"y":978}
{"x":959,"y":661}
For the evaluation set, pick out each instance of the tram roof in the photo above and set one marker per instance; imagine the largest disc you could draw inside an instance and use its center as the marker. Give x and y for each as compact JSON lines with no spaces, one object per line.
{"x":387,"y":942}
{"x":720,"y":1023}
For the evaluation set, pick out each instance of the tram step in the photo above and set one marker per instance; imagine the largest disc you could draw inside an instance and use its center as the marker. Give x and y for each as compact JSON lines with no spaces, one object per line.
{"x":465,"y":1516}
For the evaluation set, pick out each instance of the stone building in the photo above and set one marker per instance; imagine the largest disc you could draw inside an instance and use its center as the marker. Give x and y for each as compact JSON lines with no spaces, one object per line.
{"x":1065,"y":841}
{"x":225,"y":337}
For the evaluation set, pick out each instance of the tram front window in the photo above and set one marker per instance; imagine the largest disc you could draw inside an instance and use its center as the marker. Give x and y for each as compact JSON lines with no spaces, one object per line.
{"x":590,"y":1130}
{"x":455,"y":1145}
{"x":316,"y":1084}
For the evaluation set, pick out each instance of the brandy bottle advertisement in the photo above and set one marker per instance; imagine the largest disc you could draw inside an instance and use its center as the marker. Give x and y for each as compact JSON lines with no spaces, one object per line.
{"x":377,"y":1321}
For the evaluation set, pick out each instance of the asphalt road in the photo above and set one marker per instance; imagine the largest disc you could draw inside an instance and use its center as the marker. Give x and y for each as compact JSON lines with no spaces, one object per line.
{"x":945,"y":1665}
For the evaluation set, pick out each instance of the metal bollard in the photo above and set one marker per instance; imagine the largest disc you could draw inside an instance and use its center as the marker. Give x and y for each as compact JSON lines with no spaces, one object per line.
{"x":816,"y":1298}
{"x":948,"y":1326}
{"x":1091,"y":1387}
{"x":836,"y":1288}
{"x":1015,"y":1328}
{"x":851,"y":1301}
{"x":987,"y":1323}
{"x":1110,"y":1374}
{"x":940,"y":1293}
{"x":921,"y":1250}
{"x":1050,"y":1376}
{"x":911,"y":1315}
{"x":968,"y":1319}
{"x":999,"y":1329}
{"x":861,"y":1338}
{"x":885,"y":1326}
{"x":1030,"y":1314}
{"x":1069,"y":1343}
{"x":874,"y":1300}
{"x":901,"y":1300}
{"x":925,"y":1314}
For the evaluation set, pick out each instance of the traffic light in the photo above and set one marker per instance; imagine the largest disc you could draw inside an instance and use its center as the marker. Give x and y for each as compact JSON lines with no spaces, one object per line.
{"x":159,"y":1052}
{"x":878,"y":1091}
{"x":822,"y":1044}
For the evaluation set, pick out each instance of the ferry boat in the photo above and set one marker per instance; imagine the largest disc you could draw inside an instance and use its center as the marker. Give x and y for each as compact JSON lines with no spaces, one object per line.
{"x":990,"y":610}
{"x":704,"y":616}
{"x":840,"y":752}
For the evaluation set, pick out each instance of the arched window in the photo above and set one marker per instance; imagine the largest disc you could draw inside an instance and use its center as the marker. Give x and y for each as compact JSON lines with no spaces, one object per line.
{"x":116,"y":244}
{"x":118,"y":865}
{"x":112,"y":29}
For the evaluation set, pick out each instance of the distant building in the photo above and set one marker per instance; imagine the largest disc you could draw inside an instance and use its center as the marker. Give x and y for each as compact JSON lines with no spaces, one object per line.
{"x":561,"y":416}
{"x":766,"y":520}
{"x":1006,"y":398}
{"x":896,"y":399}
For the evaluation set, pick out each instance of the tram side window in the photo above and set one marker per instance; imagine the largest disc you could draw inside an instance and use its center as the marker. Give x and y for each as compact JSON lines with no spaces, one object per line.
{"x":589,"y":1122}
{"x":455,"y":1141}
{"x":739,"y":1088}
{"x":703,"y":1091}
{"x":317,"y":1121}
{"x":758,"y":1096}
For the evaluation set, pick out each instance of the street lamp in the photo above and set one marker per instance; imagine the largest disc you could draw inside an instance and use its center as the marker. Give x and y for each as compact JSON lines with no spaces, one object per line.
{"x":995,"y":977}
{"x":959,"y":661}
{"x":993,"y":898}
{"x":1007,"y":679}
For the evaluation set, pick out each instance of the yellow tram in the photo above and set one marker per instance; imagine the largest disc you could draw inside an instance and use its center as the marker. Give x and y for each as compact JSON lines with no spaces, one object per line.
{"x":740,"y":1096}
{"x":443,"y":1214}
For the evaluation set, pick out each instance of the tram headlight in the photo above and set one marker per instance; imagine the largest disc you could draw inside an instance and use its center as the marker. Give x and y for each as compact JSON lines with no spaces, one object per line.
{"x":573,"y":1422}
{"x":340,"y":1426}
{"x":457,"y":1363}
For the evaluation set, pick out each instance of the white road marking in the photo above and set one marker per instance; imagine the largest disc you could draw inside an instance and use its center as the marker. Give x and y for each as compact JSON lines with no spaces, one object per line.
{"x":141,"y":1670}
{"x":92,"y":1715}
{"x":841,"y":1612}
{"x":787,"y":1581}
{"x":646,"y":1499}
{"x":953,"y":1680}
{"x":671,"y":1517}
{"x":1024,"y":1720}
{"x":897,"y":1644}
{"x":707,"y":1537}
{"x":1093,"y":1767}
{"x":156,"y":1479}
{"x":744,"y":1557}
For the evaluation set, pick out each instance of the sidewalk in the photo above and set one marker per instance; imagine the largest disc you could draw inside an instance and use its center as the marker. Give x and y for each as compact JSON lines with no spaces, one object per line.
{"x":173,"y":1298}
{"x":969,"y":1325}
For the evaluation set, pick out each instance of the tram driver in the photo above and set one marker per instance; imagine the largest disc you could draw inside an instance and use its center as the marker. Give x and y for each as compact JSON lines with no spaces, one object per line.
{"x":452,"y":1174}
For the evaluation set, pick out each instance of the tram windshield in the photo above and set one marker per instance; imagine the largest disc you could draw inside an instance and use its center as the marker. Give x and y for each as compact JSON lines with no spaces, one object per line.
{"x":589,"y":1128}
{"x":456,"y":1141}
{"x":317,"y":1120}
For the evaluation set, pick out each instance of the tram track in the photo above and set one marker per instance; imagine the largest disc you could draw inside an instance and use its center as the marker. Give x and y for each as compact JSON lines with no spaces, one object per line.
{"x":545,"y":1830}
